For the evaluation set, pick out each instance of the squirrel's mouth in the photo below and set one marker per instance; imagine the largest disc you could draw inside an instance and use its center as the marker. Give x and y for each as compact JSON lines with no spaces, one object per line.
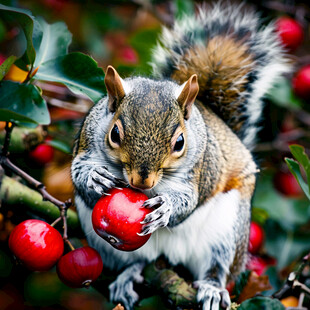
{"x":142,"y":182}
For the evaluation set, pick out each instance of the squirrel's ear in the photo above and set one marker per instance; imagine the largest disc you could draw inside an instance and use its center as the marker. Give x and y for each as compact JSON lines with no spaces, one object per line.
{"x":115,"y":88}
{"x":187,"y":96}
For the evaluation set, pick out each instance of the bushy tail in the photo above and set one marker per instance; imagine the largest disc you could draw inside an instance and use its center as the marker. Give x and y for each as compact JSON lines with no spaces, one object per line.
{"x":236,"y":60}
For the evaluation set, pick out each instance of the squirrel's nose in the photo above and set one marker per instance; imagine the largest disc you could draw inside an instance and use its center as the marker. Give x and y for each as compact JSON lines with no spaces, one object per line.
{"x":136,"y":181}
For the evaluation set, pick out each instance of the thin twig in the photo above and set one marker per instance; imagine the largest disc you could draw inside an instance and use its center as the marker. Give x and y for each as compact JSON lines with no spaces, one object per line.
{"x":33,"y":182}
{"x":292,"y":280}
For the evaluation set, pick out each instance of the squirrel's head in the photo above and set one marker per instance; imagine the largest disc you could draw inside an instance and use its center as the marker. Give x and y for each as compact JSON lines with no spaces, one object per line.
{"x":147,"y":134}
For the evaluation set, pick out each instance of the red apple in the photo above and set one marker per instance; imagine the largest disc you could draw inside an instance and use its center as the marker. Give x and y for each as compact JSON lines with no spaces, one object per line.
{"x":301,"y":83}
{"x":116,"y":218}
{"x":286,"y":184}
{"x":80,"y":267}
{"x":256,"y":238}
{"x":37,"y":244}
{"x":42,"y":154}
{"x":290,"y":32}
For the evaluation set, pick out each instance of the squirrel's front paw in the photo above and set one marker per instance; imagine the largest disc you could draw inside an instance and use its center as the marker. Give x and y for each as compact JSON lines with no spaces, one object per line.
{"x":159,"y":217}
{"x":211,"y":297}
{"x":101,"y":180}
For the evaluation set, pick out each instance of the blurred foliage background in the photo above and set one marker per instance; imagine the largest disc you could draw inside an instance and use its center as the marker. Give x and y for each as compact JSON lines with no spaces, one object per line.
{"x":122,"y":33}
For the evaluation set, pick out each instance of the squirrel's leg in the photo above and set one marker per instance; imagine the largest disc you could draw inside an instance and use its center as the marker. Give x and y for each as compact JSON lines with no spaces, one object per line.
{"x":121,"y":290}
{"x":229,"y":255}
{"x":211,"y":286}
{"x":91,"y":178}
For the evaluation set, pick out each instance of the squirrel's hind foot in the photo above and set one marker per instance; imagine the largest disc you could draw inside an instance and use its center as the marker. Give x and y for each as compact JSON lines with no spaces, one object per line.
{"x":121,"y":290}
{"x":211,"y":297}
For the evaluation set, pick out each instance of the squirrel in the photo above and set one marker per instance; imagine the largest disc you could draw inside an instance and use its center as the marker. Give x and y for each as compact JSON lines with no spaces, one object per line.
{"x":184,"y":137}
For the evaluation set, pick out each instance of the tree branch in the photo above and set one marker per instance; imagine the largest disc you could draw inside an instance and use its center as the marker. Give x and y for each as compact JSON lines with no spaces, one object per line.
{"x":23,"y":138}
{"x":176,"y":289}
{"x":13,"y":192}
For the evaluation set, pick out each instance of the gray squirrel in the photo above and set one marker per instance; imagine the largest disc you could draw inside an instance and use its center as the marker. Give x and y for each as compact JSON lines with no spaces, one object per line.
{"x":184,"y":138}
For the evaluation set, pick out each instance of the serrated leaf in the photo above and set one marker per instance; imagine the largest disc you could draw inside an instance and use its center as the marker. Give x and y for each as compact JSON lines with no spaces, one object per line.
{"x":51,"y":41}
{"x":281,"y":94}
{"x":59,"y":145}
{"x":5,"y":66}
{"x":26,"y":22}
{"x":78,"y":72}
{"x":261,"y":303}
{"x":295,"y":170}
{"x":22,"y":103}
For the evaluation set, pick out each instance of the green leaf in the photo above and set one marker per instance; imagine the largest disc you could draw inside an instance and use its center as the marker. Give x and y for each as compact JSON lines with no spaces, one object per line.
{"x":50,"y":41}
{"x":281,"y":94}
{"x":5,"y":66}
{"x":300,"y":155}
{"x":295,"y":170}
{"x":288,"y":211}
{"x":183,"y":7}
{"x":261,"y":303}
{"x":59,"y":145}
{"x":77,"y":71}
{"x":22,"y":103}
{"x":285,"y":245}
{"x":26,"y":22}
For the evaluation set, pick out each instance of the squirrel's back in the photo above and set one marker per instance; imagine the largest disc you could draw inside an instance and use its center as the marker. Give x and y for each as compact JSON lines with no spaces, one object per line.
{"x":237,"y":60}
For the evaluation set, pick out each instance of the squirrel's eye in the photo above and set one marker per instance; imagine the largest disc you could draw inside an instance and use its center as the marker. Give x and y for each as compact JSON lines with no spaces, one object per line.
{"x":179,"y":143}
{"x":115,"y":137}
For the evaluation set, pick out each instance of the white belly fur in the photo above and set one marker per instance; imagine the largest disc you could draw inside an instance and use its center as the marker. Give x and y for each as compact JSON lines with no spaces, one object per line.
{"x":189,"y":243}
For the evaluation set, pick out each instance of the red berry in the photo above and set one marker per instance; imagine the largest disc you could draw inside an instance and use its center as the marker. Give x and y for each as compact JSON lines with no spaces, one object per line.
{"x":259,"y":264}
{"x":37,"y":244}
{"x":301,"y":83}
{"x":2,"y":59}
{"x":42,"y":154}
{"x":256,"y":238}
{"x":80,"y":267}
{"x":128,"y":55}
{"x":290,"y":32}
{"x":286,"y":184}
{"x":117,"y":218}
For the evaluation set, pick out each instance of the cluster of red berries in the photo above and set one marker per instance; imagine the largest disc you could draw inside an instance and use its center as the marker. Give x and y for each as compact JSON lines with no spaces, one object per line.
{"x":292,"y":35}
{"x":39,"y":246}
{"x":116,"y":218}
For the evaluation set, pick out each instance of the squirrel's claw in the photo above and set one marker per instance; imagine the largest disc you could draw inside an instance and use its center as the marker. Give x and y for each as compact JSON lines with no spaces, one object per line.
{"x":159,"y":217}
{"x":101,"y":180}
{"x":154,"y":202}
